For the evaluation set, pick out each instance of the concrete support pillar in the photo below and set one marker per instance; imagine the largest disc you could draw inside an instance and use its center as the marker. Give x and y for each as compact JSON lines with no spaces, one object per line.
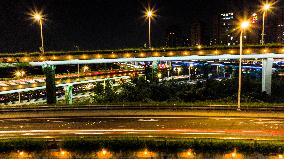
{"x":49,"y":71}
{"x":169,"y":63}
{"x":68,"y":94}
{"x":267,"y":75}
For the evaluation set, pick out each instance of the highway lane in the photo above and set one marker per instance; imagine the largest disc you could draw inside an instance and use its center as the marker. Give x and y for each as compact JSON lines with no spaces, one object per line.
{"x":146,"y":126}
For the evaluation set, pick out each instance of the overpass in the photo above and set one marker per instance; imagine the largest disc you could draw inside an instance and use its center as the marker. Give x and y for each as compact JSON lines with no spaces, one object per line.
{"x":266,"y":54}
{"x":25,"y":57}
{"x":65,"y":85}
{"x":267,"y":61}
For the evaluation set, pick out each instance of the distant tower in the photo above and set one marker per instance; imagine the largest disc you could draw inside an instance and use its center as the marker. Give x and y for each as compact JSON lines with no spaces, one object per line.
{"x":196,"y":33}
{"x":173,"y":36}
{"x":280,"y":25}
{"x":215,"y":35}
{"x":227,"y":29}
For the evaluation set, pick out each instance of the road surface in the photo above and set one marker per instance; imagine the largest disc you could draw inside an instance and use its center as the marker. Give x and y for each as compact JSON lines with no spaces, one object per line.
{"x":162,"y":125}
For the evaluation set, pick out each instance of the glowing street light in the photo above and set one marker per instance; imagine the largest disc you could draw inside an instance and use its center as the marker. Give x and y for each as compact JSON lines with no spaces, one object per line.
{"x":159,"y":75}
{"x":149,"y":14}
{"x":38,"y":17}
{"x":243,"y":26}
{"x":85,"y":68}
{"x":266,"y":7}
{"x":104,"y":152}
{"x":20,"y":73}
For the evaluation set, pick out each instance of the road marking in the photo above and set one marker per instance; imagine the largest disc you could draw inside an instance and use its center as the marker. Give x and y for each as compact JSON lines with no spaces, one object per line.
{"x":200,"y":133}
{"x":148,"y":120}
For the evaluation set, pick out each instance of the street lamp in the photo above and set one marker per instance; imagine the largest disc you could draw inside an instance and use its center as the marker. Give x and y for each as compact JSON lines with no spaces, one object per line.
{"x":189,"y":69}
{"x":159,"y":75}
{"x":85,"y":68}
{"x":244,"y":25}
{"x":149,"y":14}
{"x":38,"y":17}
{"x":265,"y":8}
{"x":20,"y":73}
{"x":178,"y":69}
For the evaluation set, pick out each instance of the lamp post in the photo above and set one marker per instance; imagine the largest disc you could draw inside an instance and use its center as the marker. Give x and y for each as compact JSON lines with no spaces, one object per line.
{"x":189,"y":69}
{"x":38,"y":17}
{"x":19,"y":74}
{"x":178,"y":70}
{"x":149,"y":14}
{"x":244,"y":25}
{"x":265,"y":8}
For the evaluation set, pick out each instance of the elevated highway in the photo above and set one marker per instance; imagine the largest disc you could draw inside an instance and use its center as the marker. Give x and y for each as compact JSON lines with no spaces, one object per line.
{"x":135,"y":53}
{"x":266,"y":54}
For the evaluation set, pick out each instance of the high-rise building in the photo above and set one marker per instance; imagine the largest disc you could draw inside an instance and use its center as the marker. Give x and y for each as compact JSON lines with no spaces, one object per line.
{"x":214,"y":40}
{"x":224,"y":30}
{"x":280,"y":25}
{"x":195,"y":34}
{"x":225,"y":25}
{"x":173,"y":36}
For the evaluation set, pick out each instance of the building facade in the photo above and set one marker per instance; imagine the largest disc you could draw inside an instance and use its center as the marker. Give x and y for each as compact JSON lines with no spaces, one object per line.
{"x":224,"y":31}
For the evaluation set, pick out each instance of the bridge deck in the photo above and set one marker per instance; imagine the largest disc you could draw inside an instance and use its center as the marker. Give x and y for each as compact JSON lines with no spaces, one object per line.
{"x":62,"y":56}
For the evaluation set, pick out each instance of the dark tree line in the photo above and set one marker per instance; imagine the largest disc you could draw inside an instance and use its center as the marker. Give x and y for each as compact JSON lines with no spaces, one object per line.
{"x":140,"y":90}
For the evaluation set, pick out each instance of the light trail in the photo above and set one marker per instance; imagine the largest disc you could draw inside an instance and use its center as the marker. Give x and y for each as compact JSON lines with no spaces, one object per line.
{"x":61,"y":85}
{"x":137,"y":132}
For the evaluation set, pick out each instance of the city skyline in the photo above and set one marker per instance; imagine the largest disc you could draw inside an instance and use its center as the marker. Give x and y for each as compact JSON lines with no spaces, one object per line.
{"x":73,"y":25}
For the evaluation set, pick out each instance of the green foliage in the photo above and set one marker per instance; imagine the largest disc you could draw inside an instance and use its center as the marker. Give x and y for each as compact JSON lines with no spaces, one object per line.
{"x":140,"y":90}
{"x":104,"y":94}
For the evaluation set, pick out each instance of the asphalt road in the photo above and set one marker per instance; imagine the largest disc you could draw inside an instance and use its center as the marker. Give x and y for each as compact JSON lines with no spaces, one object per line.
{"x":148,"y":125}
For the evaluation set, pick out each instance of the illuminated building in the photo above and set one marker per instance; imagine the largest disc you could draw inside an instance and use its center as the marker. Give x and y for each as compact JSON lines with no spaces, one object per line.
{"x":223,"y":29}
{"x":226,"y":25}
{"x":280,"y":25}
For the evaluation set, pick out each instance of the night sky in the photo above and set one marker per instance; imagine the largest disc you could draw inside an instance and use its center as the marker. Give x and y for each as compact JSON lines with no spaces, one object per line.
{"x":99,"y":24}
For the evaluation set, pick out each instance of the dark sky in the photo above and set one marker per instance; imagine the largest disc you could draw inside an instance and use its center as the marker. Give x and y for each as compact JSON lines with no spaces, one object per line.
{"x":98,"y":24}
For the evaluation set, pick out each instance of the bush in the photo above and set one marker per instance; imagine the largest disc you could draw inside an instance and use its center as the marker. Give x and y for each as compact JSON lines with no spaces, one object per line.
{"x":140,"y":90}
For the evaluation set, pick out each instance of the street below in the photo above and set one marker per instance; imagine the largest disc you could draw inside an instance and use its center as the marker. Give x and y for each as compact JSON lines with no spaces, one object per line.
{"x":223,"y":125}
